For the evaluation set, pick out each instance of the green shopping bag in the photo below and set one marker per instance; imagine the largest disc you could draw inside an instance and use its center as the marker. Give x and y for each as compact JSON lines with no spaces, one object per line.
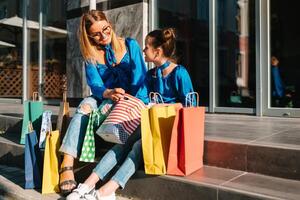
{"x":33,"y":111}
{"x":95,"y":120}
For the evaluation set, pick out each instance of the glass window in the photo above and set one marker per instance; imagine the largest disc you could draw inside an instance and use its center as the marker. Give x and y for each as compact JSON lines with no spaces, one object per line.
{"x":285,"y":53}
{"x":54,"y":48}
{"x":191,"y":20}
{"x":235,"y":53}
{"x":10,"y":49}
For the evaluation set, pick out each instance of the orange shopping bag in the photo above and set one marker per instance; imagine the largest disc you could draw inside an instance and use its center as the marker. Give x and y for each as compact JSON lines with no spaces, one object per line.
{"x":187,"y":140}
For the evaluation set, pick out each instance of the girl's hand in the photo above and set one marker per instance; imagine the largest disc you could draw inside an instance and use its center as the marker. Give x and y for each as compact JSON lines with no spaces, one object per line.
{"x":114,"y":94}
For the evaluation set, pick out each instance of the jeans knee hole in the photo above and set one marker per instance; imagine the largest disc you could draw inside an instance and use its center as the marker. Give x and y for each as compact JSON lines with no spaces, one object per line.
{"x":85,"y":109}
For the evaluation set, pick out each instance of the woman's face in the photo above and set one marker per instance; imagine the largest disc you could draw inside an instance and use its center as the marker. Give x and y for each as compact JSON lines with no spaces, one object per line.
{"x":149,"y":52}
{"x":100,"y":32}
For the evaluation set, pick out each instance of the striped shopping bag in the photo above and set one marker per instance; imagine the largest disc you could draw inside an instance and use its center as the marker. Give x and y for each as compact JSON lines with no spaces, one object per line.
{"x":122,"y":121}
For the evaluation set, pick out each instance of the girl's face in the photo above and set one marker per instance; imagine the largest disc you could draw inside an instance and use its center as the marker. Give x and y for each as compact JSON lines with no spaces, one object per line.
{"x":100,"y":32}
{"x":149,"y":52}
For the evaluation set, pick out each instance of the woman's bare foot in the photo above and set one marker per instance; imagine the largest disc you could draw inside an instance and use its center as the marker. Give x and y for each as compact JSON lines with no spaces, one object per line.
{"x":108,"y":188}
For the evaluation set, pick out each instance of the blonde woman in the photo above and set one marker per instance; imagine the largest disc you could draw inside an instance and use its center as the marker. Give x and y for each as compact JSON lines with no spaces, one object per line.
{"x":113,"y":66}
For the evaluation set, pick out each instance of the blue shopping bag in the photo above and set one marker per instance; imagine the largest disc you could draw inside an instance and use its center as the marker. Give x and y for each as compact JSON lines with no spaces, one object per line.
{"x":32,"y":160}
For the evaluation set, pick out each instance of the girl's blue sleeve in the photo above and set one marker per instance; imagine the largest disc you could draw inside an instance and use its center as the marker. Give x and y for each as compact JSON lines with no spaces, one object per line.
{"x":94,"y":80}
{"x":138,"y":66}
{"x":183,"y":84}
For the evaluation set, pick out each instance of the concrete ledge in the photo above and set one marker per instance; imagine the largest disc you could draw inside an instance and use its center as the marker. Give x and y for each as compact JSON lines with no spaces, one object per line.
{"x":269,"y":160}
{"x":12,"y":188}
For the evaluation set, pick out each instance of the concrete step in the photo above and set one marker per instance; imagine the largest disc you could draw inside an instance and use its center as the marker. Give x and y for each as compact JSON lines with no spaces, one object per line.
{"x":265,"y":146}
{"x":212,"y":183}
{"x":12,"y":184}
{"x":208,"y":183}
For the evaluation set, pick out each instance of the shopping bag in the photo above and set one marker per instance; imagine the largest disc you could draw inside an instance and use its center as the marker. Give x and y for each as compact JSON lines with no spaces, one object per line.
{"x":187,"y":140}
{"x":95,"y":119}
{"x":63,"y":115}
{"x":50,"y":182}
{"x":32,"y":159}
{"x":122,"y":121}
{"x":156,"y":127}
{"x":33,"y":111}
{"x":45,"y":127}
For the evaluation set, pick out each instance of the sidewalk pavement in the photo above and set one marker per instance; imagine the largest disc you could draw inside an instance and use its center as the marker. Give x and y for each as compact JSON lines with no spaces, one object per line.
{"x":12,"y":187}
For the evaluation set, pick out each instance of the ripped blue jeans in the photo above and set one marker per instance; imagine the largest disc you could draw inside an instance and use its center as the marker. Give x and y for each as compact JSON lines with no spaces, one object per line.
{"x":73,"y":139}
{"x":129,"y":156}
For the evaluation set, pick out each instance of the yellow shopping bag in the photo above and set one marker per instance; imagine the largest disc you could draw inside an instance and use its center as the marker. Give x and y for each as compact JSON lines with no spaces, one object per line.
{"x":51,"y":163}
{"x":156,"y":126}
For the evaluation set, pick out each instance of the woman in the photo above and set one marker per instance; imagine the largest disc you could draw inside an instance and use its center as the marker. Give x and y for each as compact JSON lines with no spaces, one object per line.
{"x":173,"y":83}
{"x":113,"y":66}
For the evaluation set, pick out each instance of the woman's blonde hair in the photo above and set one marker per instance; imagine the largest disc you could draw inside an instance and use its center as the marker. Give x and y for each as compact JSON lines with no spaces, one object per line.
{"x":87,"y":46}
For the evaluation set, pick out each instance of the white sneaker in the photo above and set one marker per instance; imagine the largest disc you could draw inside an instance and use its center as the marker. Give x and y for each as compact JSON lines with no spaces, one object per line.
{"x":80,"y":192}
{"x":109,"y":197}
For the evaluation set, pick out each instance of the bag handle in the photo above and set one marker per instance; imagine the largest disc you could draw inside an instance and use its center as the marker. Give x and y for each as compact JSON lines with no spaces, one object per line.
{"x":189,"y":100}
{"x":35,"y":96}
{"x":65,"y":96}
{"x":30,"y":127}
{"x":156,"y":98}
{"x":49,"y":123}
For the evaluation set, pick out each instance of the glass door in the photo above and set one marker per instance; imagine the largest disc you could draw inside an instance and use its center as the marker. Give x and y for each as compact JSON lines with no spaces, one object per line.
{"x":282,"y":71}
{"x":191,"y":20}
{"x":235,"y":70}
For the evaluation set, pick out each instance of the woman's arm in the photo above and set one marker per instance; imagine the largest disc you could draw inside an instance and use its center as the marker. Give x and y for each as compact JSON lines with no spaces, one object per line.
{"x":145,"y":89}
{"x":94,"y":80}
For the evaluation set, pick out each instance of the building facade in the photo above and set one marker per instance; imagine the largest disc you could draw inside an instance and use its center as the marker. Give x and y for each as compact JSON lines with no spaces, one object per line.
{"x":242,"y":54}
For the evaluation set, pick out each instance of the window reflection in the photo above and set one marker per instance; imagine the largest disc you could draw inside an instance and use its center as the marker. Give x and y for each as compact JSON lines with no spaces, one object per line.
{"x":53,"y":51}
{"x":236,"y":53}
{"x":285,"y":52}
{"x":10,"y":50}
{"x":191,"y":20}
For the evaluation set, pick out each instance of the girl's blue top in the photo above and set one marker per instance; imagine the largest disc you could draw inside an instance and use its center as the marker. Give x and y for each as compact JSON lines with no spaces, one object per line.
{"x":173,"y":88}
{"x":129,"y":74}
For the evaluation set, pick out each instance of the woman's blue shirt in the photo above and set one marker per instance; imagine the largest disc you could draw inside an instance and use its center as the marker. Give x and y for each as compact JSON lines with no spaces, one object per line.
{"x":129,"y":74}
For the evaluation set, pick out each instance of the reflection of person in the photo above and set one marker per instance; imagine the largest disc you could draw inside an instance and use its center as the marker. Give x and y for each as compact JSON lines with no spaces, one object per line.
{"x":278,"y":85}
{"x":170,"y":80}
{"x":113,"y":66}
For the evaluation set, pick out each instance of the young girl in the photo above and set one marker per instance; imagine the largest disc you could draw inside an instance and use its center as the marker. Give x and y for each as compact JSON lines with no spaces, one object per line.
{"x":170,"y":80}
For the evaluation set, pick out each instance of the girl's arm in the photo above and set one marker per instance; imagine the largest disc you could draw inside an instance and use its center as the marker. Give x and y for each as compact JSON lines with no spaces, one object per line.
{"x":183,"y":84}
{"x":138,"y":66}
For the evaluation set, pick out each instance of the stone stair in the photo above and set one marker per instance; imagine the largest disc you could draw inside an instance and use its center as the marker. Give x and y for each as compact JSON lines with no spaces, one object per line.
{"x":246,"y":157}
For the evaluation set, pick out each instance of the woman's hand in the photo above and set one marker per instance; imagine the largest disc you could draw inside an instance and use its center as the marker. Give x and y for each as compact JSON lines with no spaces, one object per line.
{"x":114,"y":94}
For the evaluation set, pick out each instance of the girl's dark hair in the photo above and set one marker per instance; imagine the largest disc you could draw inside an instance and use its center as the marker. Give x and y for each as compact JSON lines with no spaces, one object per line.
{"x":166,"y":39}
